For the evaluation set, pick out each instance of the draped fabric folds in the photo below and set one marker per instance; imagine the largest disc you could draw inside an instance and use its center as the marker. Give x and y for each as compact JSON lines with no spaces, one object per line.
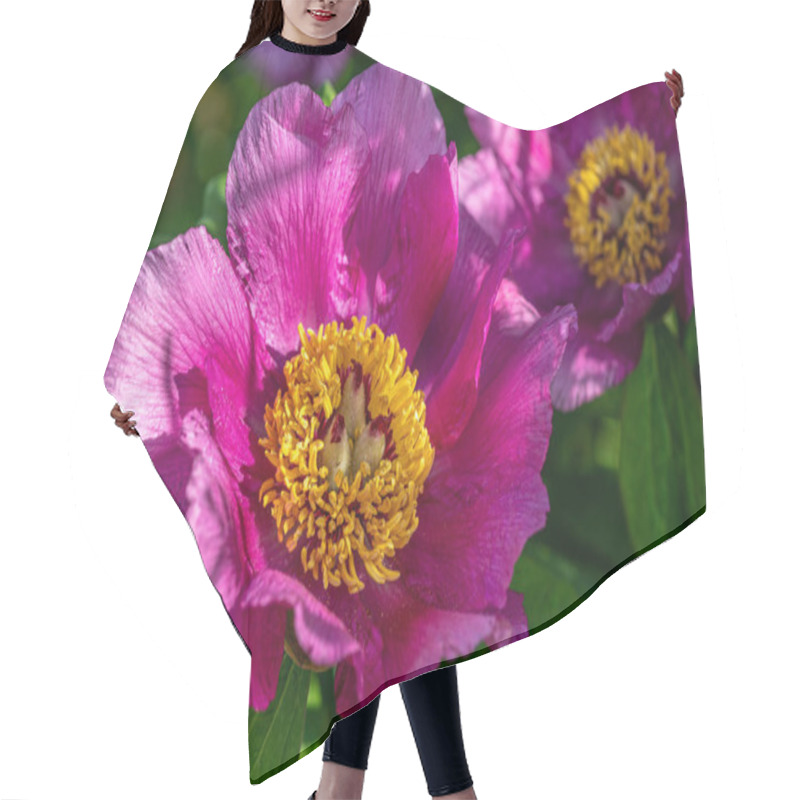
{"x":418,"y":380}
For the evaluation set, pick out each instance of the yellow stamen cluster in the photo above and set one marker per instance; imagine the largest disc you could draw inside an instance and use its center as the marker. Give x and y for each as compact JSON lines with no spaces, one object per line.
{"x":618,"y":207}
{"x":351,"y":453}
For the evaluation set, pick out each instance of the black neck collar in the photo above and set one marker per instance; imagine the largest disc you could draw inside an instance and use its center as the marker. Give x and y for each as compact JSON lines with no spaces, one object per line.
{"x":310,"y":49}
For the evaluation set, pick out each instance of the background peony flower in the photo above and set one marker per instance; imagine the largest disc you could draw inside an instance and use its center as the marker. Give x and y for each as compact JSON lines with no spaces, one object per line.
{"x":603,"y":199}
{"x":353,"y":409}
{"x":279,"y":66}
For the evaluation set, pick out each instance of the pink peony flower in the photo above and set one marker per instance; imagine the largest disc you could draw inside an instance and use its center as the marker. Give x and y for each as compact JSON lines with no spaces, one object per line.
{"x":353,"y":408}
{"x":603,"y":202}
{"x":279,"y":66}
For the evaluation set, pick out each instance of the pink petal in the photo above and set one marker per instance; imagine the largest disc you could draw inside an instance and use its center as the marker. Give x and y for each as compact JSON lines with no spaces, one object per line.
{"x":173,"y":461}
{"x":639,"y":298}
{"x":417,"y":638}
{"x":513,"y":313}
{"x":428,"y":636}
{"x":359,"y":677}
{"x":287,"y":223}
{"x":265,"y":629}
{"x":404,"y":129}
{"x":408,"y":288}
{"x":484,"y":497}
{"x":186,"y":304}
{"x":526,"y":155}
{"x":321,"y":634}
{"x":484,"y":191}
{"x":457,"y":334}
{"x":216,"y":510}
{"x":590,"y":367}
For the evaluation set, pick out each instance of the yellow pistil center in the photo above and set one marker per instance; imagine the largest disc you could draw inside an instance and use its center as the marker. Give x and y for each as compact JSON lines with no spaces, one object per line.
{"x":351,"y":453}
{"x":618,"y":207}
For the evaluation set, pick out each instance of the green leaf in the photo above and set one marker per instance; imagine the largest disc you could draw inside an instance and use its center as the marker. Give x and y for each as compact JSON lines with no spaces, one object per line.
{"x":586,"y":523}
{"x":587,"y":437}
{"x":321,"y":708}
{"x":275,"y":735}
{"x":455,"y":123}
{"x":690,"y":347}
{"x":215,"y":209}
{"x":662,"y":469}
{"x":608,"y":404}
{"x":327,"y":93}
{"x":547,"y":581}
{"x":670,"y":320}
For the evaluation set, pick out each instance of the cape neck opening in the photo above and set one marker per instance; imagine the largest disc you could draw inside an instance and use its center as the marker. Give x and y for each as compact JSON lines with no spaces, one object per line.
{"x":309,"y":49}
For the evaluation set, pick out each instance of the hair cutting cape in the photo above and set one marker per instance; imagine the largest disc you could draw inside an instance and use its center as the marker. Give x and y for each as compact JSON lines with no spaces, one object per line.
{"x":419,"y":381}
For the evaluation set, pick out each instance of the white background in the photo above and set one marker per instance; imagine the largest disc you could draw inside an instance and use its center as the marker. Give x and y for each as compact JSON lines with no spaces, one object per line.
{"x":121,"y":675}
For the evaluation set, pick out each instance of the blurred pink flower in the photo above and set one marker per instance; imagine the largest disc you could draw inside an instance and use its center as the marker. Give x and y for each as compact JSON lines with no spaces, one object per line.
{"x":602,"y":199}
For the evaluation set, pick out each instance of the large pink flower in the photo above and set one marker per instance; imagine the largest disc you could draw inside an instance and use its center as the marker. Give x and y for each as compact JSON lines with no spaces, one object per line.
{"x":353,"y":408}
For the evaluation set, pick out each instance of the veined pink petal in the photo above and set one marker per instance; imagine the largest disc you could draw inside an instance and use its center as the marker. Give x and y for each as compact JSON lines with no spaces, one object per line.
{"x":493,"y":201}
{"x":186,"y":303}
{"x":409,"y":286}
{"x":294,"y":180}
{"x":404,"y":129}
